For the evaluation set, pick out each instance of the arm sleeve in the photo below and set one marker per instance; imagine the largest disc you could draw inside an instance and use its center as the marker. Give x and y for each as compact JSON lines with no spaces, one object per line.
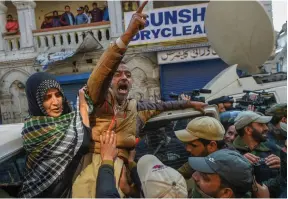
{"x":146,"y":110}
{"x":106,"y":185}
{"x":101,"y":77}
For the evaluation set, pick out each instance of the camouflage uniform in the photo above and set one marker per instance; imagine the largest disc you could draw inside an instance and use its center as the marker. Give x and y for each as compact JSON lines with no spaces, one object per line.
{"x":279,"y":110}
{"x":274,"y":141}
{"x":262,"y":173}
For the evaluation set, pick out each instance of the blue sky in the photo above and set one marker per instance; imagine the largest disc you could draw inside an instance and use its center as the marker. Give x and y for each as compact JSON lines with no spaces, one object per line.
{"x":279,"y":9}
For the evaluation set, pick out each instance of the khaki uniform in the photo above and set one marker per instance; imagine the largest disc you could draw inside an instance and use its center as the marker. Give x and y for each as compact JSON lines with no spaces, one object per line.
{"x":129,"y":121}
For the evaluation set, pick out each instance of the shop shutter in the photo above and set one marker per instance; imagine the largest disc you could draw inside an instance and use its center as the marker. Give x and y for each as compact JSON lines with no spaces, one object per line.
{"x":71,"y":92}
{"x":186,"y":76}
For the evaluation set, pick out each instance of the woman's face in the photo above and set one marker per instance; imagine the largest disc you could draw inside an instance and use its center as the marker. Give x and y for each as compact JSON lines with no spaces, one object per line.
{"x":53,"y":102}
{"x":230,"y":134}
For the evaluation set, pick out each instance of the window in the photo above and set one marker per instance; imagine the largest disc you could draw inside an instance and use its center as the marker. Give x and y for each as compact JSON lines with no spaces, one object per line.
{"x":128,"y":6}
{"x":11,"y":169}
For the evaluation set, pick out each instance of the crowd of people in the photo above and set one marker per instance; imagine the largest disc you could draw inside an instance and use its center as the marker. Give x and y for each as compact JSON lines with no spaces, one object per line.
{"x":90,"y":152}
{"x":84,"y":16}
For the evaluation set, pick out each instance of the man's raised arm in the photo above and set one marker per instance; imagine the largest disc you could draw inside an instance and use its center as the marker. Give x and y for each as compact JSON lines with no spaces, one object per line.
{"x":99,"y":81}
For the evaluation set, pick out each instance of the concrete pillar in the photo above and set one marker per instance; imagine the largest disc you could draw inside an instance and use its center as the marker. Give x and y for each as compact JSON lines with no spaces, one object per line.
{"x":115,"y":15}
{"x":3,"y":10}
{"x":26,"y":20}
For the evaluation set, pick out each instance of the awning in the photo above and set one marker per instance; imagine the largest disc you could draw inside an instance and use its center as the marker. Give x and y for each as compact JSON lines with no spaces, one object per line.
{"x":89,"y":44}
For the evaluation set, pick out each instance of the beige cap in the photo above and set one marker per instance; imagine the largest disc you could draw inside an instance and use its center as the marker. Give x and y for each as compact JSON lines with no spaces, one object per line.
{"x":247,"y":117}
{"x":160,"y":181}
{"x":205,"y":127}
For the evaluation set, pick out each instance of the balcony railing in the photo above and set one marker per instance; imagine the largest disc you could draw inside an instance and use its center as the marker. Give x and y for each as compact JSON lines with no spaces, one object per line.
{"x":70,"y":36}
{"x":12,"y":42}
{"x":56,"y":39}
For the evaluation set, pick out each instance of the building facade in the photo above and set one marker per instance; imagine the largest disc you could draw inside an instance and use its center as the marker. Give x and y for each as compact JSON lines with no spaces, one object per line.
{"x":158,"y":69}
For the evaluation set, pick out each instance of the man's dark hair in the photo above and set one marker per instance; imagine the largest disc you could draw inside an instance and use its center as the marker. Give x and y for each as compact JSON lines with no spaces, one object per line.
{"x":226,"y":125}
{"x":67,"y":6}
{"x":94,"y":4}
{"x":220,"y":143}
{"x":55,"y":11}
{"x":241,"y":131}
{"x":275,"y":120}
{"x":237,"y":192}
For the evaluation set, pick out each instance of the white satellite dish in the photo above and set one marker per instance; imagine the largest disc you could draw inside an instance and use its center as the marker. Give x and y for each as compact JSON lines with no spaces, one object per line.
{"x":241,"y":32}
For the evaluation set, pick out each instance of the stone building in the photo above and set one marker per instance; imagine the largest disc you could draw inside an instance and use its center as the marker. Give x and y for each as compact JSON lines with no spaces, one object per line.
{"x":156,"y":68}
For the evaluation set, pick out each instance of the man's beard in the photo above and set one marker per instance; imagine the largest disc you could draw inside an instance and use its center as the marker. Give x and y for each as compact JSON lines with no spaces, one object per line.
{"x":258,"y":136}
{"x":204,"y":153}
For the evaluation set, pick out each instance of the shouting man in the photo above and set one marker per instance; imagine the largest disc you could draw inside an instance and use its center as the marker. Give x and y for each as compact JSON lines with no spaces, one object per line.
{"x":114,"y":111}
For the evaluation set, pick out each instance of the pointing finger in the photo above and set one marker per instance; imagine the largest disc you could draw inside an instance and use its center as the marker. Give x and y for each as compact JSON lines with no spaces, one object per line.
{"x":140,"y":9}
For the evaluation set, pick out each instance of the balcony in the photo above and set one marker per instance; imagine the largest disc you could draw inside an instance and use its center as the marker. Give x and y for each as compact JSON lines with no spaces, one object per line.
{"x":54,"y":39}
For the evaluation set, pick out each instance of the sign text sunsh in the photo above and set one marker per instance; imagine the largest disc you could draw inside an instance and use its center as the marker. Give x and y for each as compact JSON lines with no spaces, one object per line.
{"x":172,"y":23}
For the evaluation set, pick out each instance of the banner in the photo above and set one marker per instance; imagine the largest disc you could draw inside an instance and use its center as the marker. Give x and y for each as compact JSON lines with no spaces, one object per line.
{"x":89,"y":44}
{"x":172,"y":23}
{"x":186,"y":55}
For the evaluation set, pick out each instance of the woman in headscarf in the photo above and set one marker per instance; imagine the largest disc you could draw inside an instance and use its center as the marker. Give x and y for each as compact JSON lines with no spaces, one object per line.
{"x":54,"y":137}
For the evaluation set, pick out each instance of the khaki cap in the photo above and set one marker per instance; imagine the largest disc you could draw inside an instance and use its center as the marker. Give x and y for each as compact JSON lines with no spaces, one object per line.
{"x":279,"y":110}
{"x":247,"y":117}
{"x":205,"y":127}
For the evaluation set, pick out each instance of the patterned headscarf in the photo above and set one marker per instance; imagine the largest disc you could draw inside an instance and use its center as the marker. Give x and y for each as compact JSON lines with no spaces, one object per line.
{"x":36,"y":87}
{"x":50,"y":142}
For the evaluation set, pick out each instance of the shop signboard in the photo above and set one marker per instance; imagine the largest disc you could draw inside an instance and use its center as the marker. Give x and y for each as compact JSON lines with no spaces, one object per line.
{"x":171,"y":24}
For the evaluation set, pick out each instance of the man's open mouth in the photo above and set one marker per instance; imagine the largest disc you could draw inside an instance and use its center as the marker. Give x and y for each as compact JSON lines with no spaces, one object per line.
{"x":123,"y":88}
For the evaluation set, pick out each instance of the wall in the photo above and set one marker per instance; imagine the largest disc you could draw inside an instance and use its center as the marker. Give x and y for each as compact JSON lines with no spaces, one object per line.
{"x":282,"y":58}
{"x":11,"y":9}
{"x":145,"y":74}
{"x":13,"y":101}
{"x":268,"y":7}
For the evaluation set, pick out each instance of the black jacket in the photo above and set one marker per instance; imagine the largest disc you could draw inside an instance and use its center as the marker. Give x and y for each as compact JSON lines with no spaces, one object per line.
{"x":106,"y":185}
{"x":65,"y":19}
